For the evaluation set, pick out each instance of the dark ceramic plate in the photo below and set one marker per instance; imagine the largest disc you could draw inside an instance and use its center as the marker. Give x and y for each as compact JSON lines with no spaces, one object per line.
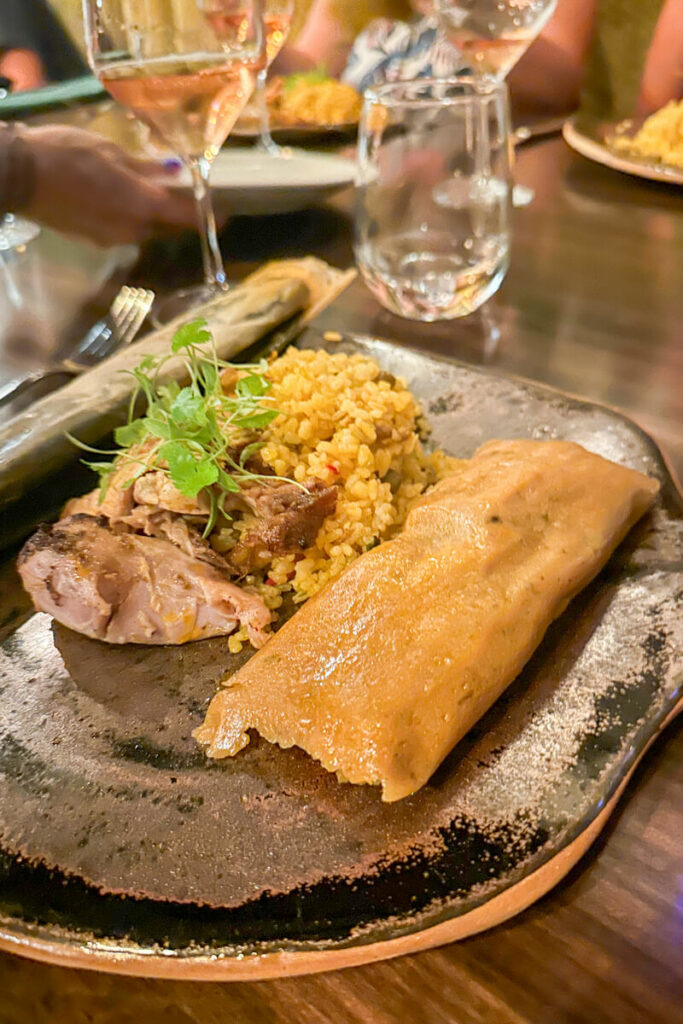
{"x":299,"y":134}
{"x":126,"y":850}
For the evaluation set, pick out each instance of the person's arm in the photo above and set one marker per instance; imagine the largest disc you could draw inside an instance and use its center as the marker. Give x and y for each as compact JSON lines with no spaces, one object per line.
{"x":19,"y":59}
{"x":663,"y":75}
{"x":81,"y":184}
{"x":24,"y":69}
{"x":322,"y":40}
{"x":547,"y":79}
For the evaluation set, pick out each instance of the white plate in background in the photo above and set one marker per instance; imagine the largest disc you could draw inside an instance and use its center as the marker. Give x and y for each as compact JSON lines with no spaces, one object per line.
{"x":246,"y":181}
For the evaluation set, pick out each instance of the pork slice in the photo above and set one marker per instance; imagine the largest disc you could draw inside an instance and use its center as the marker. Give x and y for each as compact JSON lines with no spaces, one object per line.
{"x":177,"y":529}
{"x":287,"y":519}
{"x":126,"y":588}
{"x":85,"y":505}
{"x":158,"y":489}
{"x":119,"y":497}
{"x":117,"y":501}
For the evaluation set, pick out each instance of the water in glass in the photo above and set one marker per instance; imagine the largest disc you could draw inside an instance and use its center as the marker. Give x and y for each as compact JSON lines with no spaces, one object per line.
{"x":432,"y":219}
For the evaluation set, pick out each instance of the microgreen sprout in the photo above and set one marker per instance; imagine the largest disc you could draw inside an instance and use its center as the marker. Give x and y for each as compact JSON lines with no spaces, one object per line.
{"x":190,"y":433}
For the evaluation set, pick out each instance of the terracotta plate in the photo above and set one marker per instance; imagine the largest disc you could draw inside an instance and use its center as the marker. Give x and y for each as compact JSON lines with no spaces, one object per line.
{"x":124,"y":849}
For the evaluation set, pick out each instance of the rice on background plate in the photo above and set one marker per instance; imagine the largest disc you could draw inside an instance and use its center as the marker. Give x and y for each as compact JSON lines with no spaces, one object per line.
{"x":342,"y":421}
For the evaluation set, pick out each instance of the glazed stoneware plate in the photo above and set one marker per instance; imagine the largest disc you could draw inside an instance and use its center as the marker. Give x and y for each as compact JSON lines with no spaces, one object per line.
{"x":591,"y":139}
{"x":301,"y":134}
{"x":124,"y":849}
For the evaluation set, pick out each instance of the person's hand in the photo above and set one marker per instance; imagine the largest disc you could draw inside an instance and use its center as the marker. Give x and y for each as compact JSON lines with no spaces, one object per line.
{"x":23,"y":68}
{"x":663,"y":74}
{"x":85,"y":185}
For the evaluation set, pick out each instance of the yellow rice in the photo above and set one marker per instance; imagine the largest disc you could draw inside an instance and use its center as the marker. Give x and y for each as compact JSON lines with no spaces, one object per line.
{"x":319,"y":103}
{"x":342,"y":421}
{"x":660,"y":138}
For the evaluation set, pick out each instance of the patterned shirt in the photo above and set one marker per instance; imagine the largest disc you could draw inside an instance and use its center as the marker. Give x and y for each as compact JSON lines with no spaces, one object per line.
{"x":393,"y":51}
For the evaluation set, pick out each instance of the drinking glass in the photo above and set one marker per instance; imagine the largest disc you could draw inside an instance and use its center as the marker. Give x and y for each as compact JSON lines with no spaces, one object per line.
{"x":24,"y":334}
{"x":433,"y":196}
{"x":186,"y":68}
{"x":492,"y":35}
{"x":277,"y":17}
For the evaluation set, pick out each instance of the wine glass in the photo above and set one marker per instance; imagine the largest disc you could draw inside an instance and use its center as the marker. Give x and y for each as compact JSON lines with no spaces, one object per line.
{"x":277,"y":18}
{"x":185,"y":68}
{"x":492,"y":35}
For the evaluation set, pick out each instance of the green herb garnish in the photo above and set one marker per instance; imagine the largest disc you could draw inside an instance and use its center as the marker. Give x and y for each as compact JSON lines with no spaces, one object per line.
{"x":192,"y":430}
{"x":315,"y":76}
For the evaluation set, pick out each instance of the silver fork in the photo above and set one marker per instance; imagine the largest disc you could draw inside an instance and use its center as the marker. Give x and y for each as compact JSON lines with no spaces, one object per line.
{"x":119,"y":327}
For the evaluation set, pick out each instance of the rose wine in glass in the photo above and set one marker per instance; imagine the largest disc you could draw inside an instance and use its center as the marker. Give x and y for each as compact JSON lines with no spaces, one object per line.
{"x":186,"y":68}
{"x":190,"y":106}
{"x":492,"y":35}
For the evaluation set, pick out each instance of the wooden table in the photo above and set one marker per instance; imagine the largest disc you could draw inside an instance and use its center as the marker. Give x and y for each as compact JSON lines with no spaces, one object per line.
{"x":593,"y":304}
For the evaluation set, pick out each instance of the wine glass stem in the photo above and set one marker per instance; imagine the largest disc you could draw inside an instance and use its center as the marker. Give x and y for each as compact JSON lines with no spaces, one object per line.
{"x":266,"y":139}
{"x":484,"y":85}
{"x":214,"y":271}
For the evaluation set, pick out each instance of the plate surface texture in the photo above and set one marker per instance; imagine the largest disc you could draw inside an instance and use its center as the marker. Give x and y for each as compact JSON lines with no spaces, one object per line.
{"x":103,"y":791}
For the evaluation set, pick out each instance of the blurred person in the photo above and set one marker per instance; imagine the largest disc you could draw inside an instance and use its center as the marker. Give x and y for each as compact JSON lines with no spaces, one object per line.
{"x":615,"y":57}
{"x":657,"y":76}
{"x":391,"y":50}
{"x":81,"y":184}
{"x":324,"y":31}
{"x":34,"y":46}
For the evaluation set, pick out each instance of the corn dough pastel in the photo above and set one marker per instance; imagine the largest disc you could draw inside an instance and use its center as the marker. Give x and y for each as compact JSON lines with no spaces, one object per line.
{"x":380,"y":674}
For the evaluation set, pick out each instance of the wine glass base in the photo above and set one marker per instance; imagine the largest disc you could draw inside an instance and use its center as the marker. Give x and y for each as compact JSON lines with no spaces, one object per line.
{"x":183,"y":302}
{"x":269,"y":147}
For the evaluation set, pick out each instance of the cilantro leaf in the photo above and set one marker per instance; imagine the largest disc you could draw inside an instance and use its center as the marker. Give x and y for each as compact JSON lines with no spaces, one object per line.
{"x":227,"y":482}
{"x":210,"y":377}
{"x":148,"y":363}
{"x":251,"y":386}
{"x":195,"y":333}
{"x":105,"y":470}
{"x":189,"y":407}
{"x":189,"y":473}
{"x":257,"y":420}
{"x":168,"y":393}
{"x":132,"y":433}
{"x":158,"y":426}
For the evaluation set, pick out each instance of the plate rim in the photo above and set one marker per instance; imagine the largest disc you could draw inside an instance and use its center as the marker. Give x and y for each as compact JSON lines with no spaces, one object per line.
{"x":158,"y":963}
{"x":278,"y":187}
{"x":601,"y":154}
